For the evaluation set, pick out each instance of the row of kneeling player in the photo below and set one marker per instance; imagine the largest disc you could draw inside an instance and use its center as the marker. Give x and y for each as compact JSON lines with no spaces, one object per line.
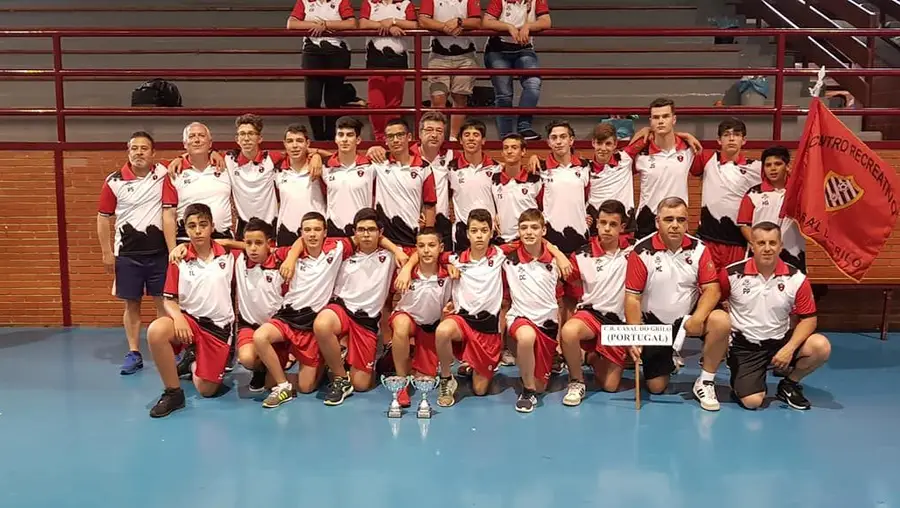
{"x":321,"y":302}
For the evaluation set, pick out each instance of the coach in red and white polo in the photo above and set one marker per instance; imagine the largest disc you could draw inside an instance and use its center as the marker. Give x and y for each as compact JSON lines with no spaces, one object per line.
{"x":671,"y":279}
{"x":138,"y":253}
{"x":763,"y":293}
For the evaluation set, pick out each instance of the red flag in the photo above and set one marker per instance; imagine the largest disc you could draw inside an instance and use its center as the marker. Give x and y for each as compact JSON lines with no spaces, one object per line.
{"x":841,"y":193}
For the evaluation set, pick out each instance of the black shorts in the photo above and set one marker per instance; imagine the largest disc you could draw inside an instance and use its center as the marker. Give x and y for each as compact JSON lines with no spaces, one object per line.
{"x":749,"y":362}
{"x":140,"y":275}
{"x":657,"y":361}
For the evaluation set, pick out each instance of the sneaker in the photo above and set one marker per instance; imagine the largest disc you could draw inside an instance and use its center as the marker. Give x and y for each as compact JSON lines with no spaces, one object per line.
{"x":188,"y":357}
{"x":559,"y":365}
{"x":403,"y":397}
{"x":530,"y":135}
{"x":172,"y":399}
{"x":280,"y":394}
{"x":526,"y":401}
{"x":447,"y":391}
{"x":338,"y":390}
{"x":229,"y":364}
{"x":705,"y":391}
{"x":507,"y":359}
{"x":575,"y":393}
{"x":791,"y":393}
{"x":464,"y":370}
{"x":133,"y":363}
{"x":258,"y":380}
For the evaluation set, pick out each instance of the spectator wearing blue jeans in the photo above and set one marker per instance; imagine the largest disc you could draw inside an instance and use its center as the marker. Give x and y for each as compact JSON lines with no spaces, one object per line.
{"x":517,"y":20}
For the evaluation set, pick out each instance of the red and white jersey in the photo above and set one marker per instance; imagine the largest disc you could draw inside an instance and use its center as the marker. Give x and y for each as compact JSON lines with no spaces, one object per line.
{"x":426,"y":296}
{"x":441,"y":174}
{"x":208,"y":186}
{"x":669,"y":282}
{"x":259,"y":286}
{"x":565,"y":202}
{"x":137,"y":204}
{"x":471,"y":186}
{"x":323,"y":10}
{"x":378,"y":10}
{"x":762,"y":203}
{"x":534,"y":286}
{"x":299,"y":194}
{"x":514,"y":195}
{"x":663,"y":174}
{"x":400,"y":192}
{"x":761,"y":309}
{"x":724,"y":186}
{"x":445,"y":10}
{"x":478,"y":292}
{"x":613,"y":180}
{"x":253,"y":184}
{"x":313,"y":283}
{"x":602,"y":276}
{"x":348,"y":190}
{"x":203,"y":288}
{"x":517,"y":13}
{"x":364,"y":282}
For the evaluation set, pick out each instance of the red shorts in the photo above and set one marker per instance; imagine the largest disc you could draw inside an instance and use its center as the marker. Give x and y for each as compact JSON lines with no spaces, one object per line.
{"x":361,"y":342}
{"x":724,"y":254}
{"x":300,"y":343}
{"x":245,"y":336}
{"x":211,"y":352}
{"x":424,"y":356}
{"x":480,"y":350}
{"x":544,"y":348}
{"x":615,"y":354}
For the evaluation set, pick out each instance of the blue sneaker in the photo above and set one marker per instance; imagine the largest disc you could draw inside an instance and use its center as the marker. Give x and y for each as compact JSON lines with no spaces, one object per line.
{"x":133,"y":363}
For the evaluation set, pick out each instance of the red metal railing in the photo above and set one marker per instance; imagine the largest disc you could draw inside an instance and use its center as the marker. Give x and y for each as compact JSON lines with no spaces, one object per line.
{"x":58,"y":74}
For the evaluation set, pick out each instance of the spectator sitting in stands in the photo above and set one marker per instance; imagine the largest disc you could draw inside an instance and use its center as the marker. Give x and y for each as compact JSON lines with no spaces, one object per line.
{"x":518,"y":19}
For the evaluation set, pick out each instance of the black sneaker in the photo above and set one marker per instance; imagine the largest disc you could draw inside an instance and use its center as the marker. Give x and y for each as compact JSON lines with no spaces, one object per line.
{"x":188,"y":356}
{"x":526,"y":402}
{"x":791,"y":393}
{"x":172,"y":399}
{"x":339,"y":389}
{"x":258,"y":380}
{"x":530,"y":135}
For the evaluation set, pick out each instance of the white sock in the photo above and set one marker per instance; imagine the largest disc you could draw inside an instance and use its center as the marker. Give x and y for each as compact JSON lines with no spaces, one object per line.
{"x":285,"y":386}
{"x":707,"y":376}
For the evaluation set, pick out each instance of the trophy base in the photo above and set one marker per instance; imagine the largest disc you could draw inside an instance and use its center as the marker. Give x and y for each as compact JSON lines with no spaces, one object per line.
{"x":424,"y":412}
{"x":394,"y":414}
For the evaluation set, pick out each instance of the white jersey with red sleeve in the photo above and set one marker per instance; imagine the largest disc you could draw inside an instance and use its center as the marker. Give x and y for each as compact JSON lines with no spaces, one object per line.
{"x":210,"y":187}
{"x":602,"y":277}
{"x":377,"y":10}
{"x":566,"y":188}
{"x":299,"y":194}
{"x":668,"y":282}
{"x":534,"y":286}
{"x":137,"y":204}
{"x":443,"y":11}
{"x":512,"y":196}
{"x":363,"y":284}
{"x":426,"y":296}
{"x":470,"y":186}
{"x":724,"y":186}
{"x":348,"y":190}
{"x":761,"y":309}
{"x":441,"y":175}
{"x":401,"y":190}
{"x":313,"y":283}
{"x":203,"y":288}
{"x":253,"y":184}
{"x":517,"y":13}
{"x":762,"y":203}
{"x":478,"y":293}
{"x":317,"y":10}
{"x":260,"y":287}
{"x":613,"y":180}
{"x":663,"y":173}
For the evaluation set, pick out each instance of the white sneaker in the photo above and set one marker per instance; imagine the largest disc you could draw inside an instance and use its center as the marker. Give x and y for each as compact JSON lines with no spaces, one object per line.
{"x":575,"y":394}
{"x":705,"y":391}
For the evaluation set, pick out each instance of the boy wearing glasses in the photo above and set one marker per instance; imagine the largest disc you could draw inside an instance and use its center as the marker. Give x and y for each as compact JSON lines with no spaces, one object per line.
{"x":362,"y":287}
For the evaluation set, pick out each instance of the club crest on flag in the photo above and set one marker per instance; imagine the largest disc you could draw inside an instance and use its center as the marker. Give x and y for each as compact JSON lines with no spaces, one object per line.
{"x":841,"y":191}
